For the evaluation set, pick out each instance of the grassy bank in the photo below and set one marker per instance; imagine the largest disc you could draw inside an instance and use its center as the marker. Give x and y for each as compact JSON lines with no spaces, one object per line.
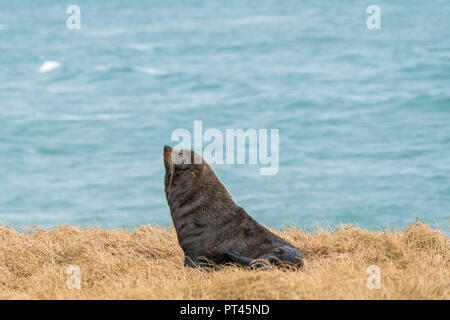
{"x":147,"y":263}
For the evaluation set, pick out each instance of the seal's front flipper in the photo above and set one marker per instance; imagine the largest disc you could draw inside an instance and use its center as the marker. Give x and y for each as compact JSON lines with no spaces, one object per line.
{"x":280,"y":256}
{"x":285,"y":255}
{"x":196,"y":262}
{"x":189,"y":262}
{"x":233,"y":257}
{"x":222,"y":259}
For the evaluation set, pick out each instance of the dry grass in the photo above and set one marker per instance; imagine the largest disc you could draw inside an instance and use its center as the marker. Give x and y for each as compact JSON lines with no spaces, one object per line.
{"x":147,"y":263}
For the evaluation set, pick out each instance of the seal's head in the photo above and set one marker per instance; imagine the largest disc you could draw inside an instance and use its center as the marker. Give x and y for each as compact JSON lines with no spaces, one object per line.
{"x":186,"y":173}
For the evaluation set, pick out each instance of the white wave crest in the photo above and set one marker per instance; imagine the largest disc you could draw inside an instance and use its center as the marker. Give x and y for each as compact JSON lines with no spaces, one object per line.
{"x":150,"y":71}
{"x":48,"y":66}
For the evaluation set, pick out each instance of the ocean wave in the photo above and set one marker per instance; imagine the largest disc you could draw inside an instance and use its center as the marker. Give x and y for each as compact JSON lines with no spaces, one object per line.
{"x":259,"y":19}
{"x":150,"y":71}
{"x":141,"y":46}
{"x":147,"y":70}
{"x":102,"y":67}
{"x":48,"y":66}
{"x":101,"y":117}
{"x":75,"y":117}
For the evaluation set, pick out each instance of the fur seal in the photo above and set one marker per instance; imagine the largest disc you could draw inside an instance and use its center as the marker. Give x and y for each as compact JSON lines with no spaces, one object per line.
{"x":210,"y":227}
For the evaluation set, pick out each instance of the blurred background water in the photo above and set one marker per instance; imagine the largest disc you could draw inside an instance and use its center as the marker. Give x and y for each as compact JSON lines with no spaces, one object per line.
{"x":364,"y":115}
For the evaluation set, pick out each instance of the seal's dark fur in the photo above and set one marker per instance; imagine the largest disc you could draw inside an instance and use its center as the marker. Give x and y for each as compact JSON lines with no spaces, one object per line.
{"x":209,"y":225}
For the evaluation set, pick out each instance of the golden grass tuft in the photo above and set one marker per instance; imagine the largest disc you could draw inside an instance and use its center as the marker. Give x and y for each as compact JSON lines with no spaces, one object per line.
{"x":147,"y":263}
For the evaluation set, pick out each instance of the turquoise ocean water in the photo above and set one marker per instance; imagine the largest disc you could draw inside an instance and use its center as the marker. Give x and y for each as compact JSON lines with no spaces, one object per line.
{"x":364,"y":115}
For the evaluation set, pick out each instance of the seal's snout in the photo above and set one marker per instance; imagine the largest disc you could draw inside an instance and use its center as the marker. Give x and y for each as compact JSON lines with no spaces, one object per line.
{"x":167,"y":148}
{"x":167,"y":157}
